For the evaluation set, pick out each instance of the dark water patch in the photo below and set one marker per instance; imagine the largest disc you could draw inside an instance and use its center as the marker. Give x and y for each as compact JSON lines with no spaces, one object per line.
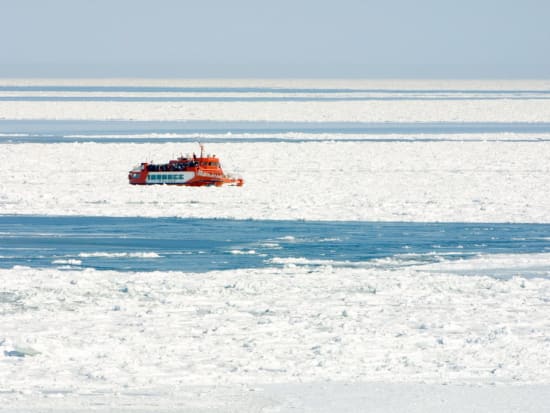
{"x":55,"y":131}
{"x":239,"y":139}
{"x":198,"y":245}
{"x":238,"y":89}
{"x":245,"y":98}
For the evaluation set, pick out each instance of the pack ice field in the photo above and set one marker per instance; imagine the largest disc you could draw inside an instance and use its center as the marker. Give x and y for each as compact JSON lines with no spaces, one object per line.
{"x":388,"y":231}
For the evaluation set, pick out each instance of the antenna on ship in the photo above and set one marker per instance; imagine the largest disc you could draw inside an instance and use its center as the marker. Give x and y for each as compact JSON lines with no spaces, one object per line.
{"x":202,"y":149}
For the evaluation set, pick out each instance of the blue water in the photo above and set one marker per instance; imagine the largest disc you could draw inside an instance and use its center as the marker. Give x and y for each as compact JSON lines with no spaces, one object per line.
{"x":58,"y":131}
{"x":207,"y":89}
{"x":251,"y":98}
{"x":200,"y":245}
{"x":214,"y":94}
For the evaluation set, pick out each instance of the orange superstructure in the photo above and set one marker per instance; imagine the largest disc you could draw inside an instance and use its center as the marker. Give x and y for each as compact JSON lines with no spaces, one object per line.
{"x":186,"y":170}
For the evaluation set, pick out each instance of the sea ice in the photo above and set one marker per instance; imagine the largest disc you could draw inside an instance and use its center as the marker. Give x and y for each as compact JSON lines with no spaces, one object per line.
{"x":370,"y":181}
{"x":113,"y":331}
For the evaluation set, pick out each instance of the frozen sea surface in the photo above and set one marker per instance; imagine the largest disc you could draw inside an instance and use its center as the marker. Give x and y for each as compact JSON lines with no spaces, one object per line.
{"x":389,"y":249}
{"x":457,"y":181}
{"x":78,"y":334}
{"x":277,"y":100}
{"x":462,"y":151}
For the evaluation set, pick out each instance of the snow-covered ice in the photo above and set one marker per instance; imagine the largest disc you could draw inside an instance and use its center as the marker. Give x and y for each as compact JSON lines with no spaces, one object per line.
{"x":349,"y":111}
{"x":397,"y":181}
{"x":88,"y":332}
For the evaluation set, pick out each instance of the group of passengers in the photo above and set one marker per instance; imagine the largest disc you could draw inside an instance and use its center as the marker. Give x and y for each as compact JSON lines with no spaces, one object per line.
{"x":169,"y":167}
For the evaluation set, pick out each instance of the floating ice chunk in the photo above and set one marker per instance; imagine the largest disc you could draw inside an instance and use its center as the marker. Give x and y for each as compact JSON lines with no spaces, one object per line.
{"x":272,"y":245}
{"x":119,"y":255}
{"x":317,"y":262}
{"x":243,"y":252}
{"x":69,"y":262}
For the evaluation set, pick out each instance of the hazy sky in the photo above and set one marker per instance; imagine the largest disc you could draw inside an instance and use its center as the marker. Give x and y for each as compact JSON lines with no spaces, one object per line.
{"x":280,"y":38}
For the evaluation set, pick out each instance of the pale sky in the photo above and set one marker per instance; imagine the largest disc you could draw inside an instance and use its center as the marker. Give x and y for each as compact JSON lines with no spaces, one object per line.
{"x":282,"y":38}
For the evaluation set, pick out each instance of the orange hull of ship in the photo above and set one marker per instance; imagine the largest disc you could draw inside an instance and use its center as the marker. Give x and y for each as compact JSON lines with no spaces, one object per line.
{"x":196,"y":171}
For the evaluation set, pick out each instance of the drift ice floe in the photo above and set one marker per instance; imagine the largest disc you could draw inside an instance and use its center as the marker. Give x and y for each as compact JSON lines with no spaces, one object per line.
{"x":185,"y":170}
